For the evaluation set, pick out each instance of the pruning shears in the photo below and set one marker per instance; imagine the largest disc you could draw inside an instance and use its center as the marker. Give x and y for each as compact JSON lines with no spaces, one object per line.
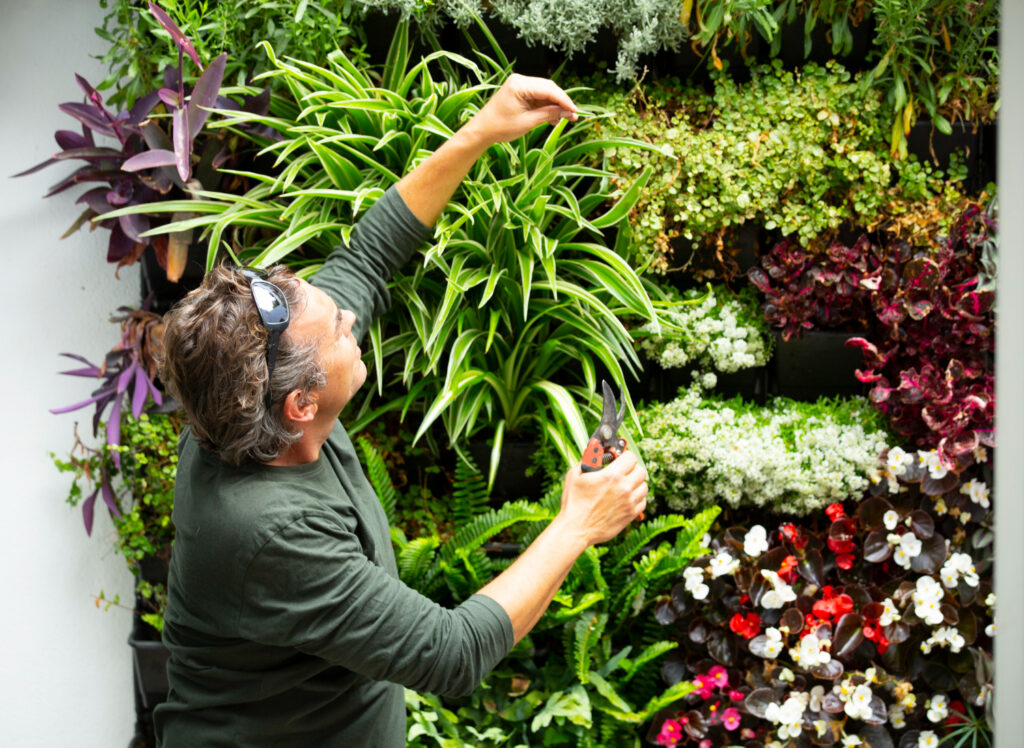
{"x":605,"y":444}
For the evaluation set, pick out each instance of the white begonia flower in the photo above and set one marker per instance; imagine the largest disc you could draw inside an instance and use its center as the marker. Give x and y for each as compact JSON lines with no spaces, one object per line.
{"x":940,"y":506}
{"x":980,"y":454}
{"x":934,"y":464}
{"x":990,"y":630}
{"x":858,"y":705}
{"x":890,"y":519}
{"x":723,"y":563}
{"x":977,"y":491}
{"x":773,"y":644}
{"x":937,"y":707}
{"x":911,"y":544}
{"x":959,"y":566}
{"x":897,"y":461}
{"x":810,"y":652}
{"x":786,"y":675}
{"x":851,"y":740}
{"x":755,"y":542}
{"x":780,"y":594}
{"x":927,"y":739}
{"x":909,"y":701}
{"x":897,"y":716}
{"x":990,"y":599}
{"x":821,"y":727}
{"x":693,"y":577}
{"x":890,"y":614}
{"x":927,"y":596}
{"x":817,"y":694}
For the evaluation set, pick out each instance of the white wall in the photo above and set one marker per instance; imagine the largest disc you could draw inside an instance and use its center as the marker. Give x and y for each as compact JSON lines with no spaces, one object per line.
{"x":65,"y":667}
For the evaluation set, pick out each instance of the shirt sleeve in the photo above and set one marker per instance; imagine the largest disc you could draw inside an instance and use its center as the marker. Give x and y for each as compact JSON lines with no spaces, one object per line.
{"x":312,"y":588}
{"x":356,"y":276}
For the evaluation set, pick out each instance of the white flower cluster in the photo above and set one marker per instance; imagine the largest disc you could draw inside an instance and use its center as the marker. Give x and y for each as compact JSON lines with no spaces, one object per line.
{"x":811,"y":651}
{"x":701,"y":451}
{"x":927,"y":739}
{"x":773,"y":645}
{"x":723,"y":563}
{"x":946,"y":636}
{"x":780,"y":593}
{"x":959,"y":566}
{"x":721,"y":335}
{"x":927,"y":595}
{"x":978,"y":492}
{"x":789,"y":715}
{"x":907,"y":547}
{"x":693,"y":581}
{"x":937,"y":707}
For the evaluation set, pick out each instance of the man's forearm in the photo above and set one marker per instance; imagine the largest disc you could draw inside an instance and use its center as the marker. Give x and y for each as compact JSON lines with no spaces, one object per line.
{"x":526,"y":588}
{"x":428,"y":188}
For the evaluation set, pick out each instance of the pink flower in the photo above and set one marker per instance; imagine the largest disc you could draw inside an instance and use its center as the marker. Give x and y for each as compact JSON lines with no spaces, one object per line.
{"x":671,"y":733}
{"x":706,"y":743}
{"x":720,"y":676}
{"x":705,"y":686}
{"x":731,"y":718}
{"x":736,"y":695}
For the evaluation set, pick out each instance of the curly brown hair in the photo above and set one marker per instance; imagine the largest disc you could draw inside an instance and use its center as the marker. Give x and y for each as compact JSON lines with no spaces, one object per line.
{"x":214,"y":363}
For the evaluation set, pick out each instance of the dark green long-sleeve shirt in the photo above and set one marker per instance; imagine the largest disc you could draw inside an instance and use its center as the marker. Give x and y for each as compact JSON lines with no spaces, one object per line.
{"x":286,"y":621}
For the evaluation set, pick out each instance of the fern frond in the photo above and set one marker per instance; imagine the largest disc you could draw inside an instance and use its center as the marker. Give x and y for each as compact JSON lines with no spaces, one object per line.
{"x":643,"y":534}
{"x":485,"y":526}
{"x":688,"y":541}
{"x":652,"y":652}
{"x":379,"y":478}
{"x":586,"y":573}
{"x":657,"y":564}
{"x":586,"y":636}
{"x":470,"y":496}
{"x":415,"y":561}
{"x":471,"y":571}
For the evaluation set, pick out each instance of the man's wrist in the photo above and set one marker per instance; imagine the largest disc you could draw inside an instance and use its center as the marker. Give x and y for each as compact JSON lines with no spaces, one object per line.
{"x":570,"y":533}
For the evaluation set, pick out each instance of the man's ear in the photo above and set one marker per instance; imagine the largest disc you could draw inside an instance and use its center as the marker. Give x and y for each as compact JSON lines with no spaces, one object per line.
{"x":297,"y":409}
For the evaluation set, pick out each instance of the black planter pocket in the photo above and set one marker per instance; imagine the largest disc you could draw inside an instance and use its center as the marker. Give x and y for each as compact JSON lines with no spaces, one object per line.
{"x":819,"y":364}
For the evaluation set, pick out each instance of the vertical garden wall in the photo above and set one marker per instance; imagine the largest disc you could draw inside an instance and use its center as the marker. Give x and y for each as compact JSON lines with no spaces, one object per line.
{"x":774,"y":228}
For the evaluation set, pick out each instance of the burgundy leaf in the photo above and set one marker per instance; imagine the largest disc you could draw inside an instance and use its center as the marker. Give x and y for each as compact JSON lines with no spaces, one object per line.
{"x":812,"y":568}
{"x":149,"y":160}
{"x":96,"y":199}
{"x":830,"y":670}
{"x":133,"y":225}
{"x":88,"y":116}
{"x":793,"y":619}
{"x":876,"y":547}
{"x":849,"y":634}
{"x":38,"y":167}
{"x":107,"y":490}
{"x":665,"y":613}
{"x":871,"y":512}
{"x":170,"y":98}
{"x":182,"y":143}
{"x":68,"y":139}
{"x":142,"y":108}
{"x":88,"y":510}
{"x":932,"y":556}
{"x":120,"y":246}
{"x":758,"y":700}
{"x":205,"y":94}
{"x":922,"y":524}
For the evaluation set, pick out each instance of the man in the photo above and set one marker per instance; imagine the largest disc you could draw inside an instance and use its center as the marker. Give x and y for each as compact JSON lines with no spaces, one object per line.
{"x":286,"y":621}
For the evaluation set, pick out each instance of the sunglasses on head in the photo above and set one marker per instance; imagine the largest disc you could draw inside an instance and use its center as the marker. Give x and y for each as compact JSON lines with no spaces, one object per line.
{"x":272,"y":305}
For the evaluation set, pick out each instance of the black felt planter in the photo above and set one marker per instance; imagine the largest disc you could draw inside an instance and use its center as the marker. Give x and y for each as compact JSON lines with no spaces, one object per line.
{"x":512,"y":481}
{"x":819,"y":364}
{"x":166,"y":293}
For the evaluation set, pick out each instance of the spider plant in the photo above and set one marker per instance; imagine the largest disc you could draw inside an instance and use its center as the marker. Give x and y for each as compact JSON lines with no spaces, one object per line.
{"x":518,"y":305}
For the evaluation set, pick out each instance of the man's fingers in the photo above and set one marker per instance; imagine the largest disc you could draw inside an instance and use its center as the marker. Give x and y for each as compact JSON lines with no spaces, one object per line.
{"x":541,"y":91}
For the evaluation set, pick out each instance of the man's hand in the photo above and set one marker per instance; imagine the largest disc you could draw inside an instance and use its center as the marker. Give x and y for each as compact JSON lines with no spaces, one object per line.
{"x":600,"y":504}
{"x":518,"y":106}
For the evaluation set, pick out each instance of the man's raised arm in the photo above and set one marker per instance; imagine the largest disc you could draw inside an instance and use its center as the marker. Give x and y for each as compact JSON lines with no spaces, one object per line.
{"x":521,"y":104}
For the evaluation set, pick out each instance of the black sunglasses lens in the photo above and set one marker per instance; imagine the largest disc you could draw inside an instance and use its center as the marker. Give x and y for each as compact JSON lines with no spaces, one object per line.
{"x":270,"y":301}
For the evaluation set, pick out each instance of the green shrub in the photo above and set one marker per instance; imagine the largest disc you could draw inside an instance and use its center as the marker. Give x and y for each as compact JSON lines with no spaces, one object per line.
{"x":794,"y":151}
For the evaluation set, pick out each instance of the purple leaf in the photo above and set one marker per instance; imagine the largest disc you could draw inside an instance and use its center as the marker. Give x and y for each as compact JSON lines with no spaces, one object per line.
{"x":96,"y":199}
{"x":119,"y":246}
{"x":158,"y":398}
{"x":182,"y":143}
{"x":205,"y":94}
{"x":89,"y":371}
{"x":175,"y":32}
{"x":68,"y":139}
{"x":133,"y":225}
{"x":37,"y":167}
{"x":149,"y":160}
{"x":76,"y":406}
{"x":89,"y":116}
{"x":87,"y":173}
{"x":142,"y":107}
{"x":89,"y":152}
{"x":141,"y":390}
{"x":92,"y":93}
{"x":155,"y":137}
{"x":107,"y":490}
{"x":88,"y":511}
{"x":125,"y":378}
{"x":169,"y":97}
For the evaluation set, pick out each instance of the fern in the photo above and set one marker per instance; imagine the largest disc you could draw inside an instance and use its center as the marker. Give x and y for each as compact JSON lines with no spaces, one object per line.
{"x":587,"y":633}
{"x":415,"y":561}
{"x":469,"y":491}
{"x":485,"y":526}
{"x":643,"y":534}
{"x":652,"y":652}
{"x":659,"y":563}
{"x":379,"y":478}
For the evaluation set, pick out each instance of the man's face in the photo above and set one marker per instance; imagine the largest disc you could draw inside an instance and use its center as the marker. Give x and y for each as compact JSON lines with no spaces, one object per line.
{"x":320,"y":319}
